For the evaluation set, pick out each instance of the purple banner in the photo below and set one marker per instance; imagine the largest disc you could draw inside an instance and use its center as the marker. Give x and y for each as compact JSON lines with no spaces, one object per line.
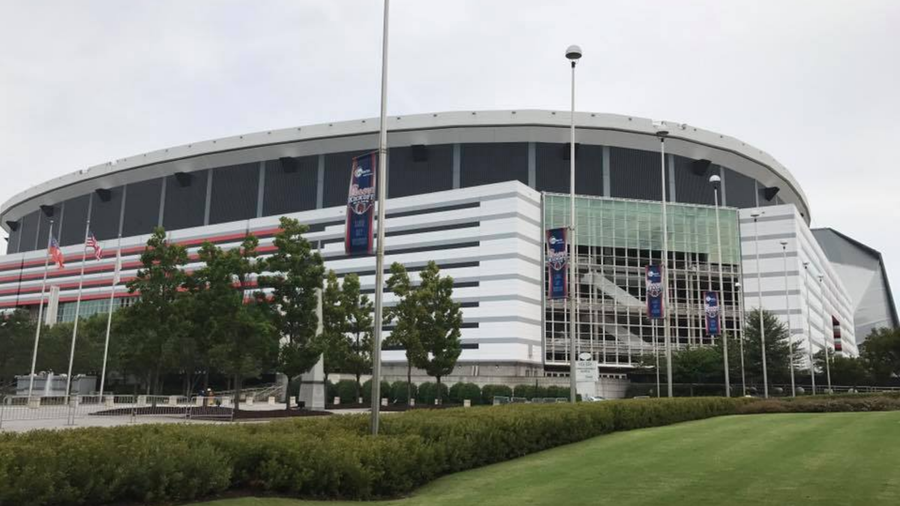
{"x":361,"y":206}
{"x":557,"y":263}
{"x":655,"y":307}
{"x":712,"y":313}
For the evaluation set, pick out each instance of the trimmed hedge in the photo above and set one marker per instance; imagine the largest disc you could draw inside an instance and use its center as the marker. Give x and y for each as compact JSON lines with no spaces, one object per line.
{"x":327,"y":458}
{"x":346,"y":390}
{"x":490,"y":391}
{"x":824,"y":404}
{"x":428,"y":392}
{"x":399,"y":392}
{"x":463,"y":391}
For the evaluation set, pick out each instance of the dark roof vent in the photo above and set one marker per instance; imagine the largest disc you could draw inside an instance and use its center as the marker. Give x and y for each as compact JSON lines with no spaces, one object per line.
{"x":770,"y":192}
{"x":104,"y":194}
{"x":13,"y":225}
{"x":699,"y":167}
{"x":47,"y":210}
{"x":288,"y":164}
{"x":184,"y":179}
{"x":419,"y":153}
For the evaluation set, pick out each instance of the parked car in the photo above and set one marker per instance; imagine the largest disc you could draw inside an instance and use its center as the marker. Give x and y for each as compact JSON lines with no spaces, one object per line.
{"x":592,"y":398}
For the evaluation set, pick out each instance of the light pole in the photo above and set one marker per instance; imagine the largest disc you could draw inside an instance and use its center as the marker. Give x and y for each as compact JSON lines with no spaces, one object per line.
{"x":737,"y":286}
{"x":762,"y":324}
{"x":662,"y":132}
{"x":825,"y":346}
{"x":380,"y":182}
{"x":573,"y":53}
{"x":812,"y":363}
{"x":716,"y":181}
{"x":787,"y":305}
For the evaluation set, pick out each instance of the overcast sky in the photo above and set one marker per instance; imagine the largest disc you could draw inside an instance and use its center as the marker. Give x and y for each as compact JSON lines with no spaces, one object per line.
{"x":814,"y":83}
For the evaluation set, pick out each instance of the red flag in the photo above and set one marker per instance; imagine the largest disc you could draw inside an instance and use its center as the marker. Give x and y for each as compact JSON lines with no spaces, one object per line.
{"x":56,"y":254}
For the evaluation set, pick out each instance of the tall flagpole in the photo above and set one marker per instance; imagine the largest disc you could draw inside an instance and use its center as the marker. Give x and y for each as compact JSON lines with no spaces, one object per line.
{"x":661,"y":132}
{"x":380,"y":183}
{"x":112,"y":294}
{"x":37,"y":333}
{"x":573,"y":53}
{"x":87,"y":229}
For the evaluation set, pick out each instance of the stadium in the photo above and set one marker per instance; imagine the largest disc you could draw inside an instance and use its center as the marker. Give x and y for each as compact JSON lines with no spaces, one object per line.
{"x":474,"y":191}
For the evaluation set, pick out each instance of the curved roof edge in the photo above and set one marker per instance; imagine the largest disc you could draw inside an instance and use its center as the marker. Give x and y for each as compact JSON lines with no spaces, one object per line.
{"x":458,"y":119}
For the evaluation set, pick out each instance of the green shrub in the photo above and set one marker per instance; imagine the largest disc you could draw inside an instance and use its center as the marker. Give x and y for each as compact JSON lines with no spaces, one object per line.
{"x":557,"y":392}
{"x":489,"y":391}
{"x":399,"y":391}
{"x":385,"y":391}
{"x":330,"y":392}
{"x":462,"y":391}
{"x":428,"y":392}
{"x":824,"y":404}
{"x":346,"y":390}
{"x":526,"y":391}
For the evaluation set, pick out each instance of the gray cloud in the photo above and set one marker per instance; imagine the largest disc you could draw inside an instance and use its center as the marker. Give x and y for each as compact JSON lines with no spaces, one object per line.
{"x":812,"y":83}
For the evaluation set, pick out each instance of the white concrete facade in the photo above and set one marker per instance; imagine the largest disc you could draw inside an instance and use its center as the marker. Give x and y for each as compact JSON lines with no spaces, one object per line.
{"x":812,"y":302}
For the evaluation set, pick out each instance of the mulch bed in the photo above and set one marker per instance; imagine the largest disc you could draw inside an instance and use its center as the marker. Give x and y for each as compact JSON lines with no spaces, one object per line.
{"x":210,"y":412}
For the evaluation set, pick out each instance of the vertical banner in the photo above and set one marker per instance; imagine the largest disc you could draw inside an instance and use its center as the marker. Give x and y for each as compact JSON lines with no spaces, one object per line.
{"x":655,"y":309}
{"x":361,"y":206}
{"x":557,"y":263}
{"x":712,"y":313}
{"x":836,"y":328}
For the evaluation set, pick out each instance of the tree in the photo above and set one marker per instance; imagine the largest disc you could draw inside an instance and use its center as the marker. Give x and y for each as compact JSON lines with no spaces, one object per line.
{"x":881,"y":354}
{"x":700,"y":364}
{"x":440,"y":318}
{"x":335,"y":346}
{"x":295,"y":278}
{"x":358,"y":314}
{"x":405,"y":315}
{"x":845,"y":371}
{"x":243,"y":339}
{"x":157,"y":319}
{"x":778,"y":357}
{"x":16,"y":341}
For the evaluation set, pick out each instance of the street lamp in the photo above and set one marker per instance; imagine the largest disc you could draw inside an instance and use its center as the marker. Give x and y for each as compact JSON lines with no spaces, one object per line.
{"x":787,"y":305}
{"x":662,"y":131}
{"x":762,"y":326}
{"x":715,"y":180}
{"x":381,"y":184}
{"x":812,"y":363}
{"x":825,"y":347}
{"x":737,"y":286}
{"x":573,"y":53}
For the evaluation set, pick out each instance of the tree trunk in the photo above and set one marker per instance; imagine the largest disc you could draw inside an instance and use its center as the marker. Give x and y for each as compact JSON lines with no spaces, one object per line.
{"x":408,"y":382}
{"x":206,"y":378}
{"x":237,"y":393}
{"x":299,"y":390}
{"x":358,"y":387}
{"x":438,"y":396}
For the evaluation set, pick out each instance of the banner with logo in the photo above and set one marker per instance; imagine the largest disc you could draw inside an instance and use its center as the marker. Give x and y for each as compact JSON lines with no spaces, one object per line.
{"x":557,"y":263}
{"x":836,"y":328}
{"x":712,"y":313}
{"x":655,"y":308}
{"x":361,"y":206}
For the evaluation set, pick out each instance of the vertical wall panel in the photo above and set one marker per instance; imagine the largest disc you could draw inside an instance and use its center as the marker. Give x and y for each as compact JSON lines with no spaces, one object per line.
{"x":76,"y":217}
{"x":634,"y":174}
{"x":185,"y":202}
{"x":410,"y":177}
{"x":493,"y":162}
{"x":28,"y":227}
{"x":290,"y":189}
{"x":692,"y":188}
{"x":234,"y":191}
{"x":13,"y":245}
{"x":105,"y":215}
{"x":553,"y":168}
{"x":44,"y":225}
{"x":142,"y":207}
{"x":337,"y":177}
{"x":741,"y":189}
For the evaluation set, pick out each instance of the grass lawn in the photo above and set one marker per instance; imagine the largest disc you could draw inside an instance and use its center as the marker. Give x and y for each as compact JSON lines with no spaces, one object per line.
{"x":785,"y":459}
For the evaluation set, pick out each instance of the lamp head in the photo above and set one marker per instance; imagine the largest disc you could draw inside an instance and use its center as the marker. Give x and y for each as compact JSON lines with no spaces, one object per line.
{"x":573,"y":53}
{"x":756,"y":213}
{"x":715,"y":179}
{"x":783,"y":244}
{"x":737,"y":284}
{"x":662,"y":129}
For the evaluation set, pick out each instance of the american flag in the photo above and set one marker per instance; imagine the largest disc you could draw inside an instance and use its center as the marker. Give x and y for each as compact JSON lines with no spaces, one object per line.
{"x":55,"y":253}
{"x":92,"y":243}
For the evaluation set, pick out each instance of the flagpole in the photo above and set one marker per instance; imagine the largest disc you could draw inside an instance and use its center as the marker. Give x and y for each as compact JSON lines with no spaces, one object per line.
{"x":381,"y":184}
{"x":112,"y":294}
{"x":87,"y":229}
{"x":37,"y":334}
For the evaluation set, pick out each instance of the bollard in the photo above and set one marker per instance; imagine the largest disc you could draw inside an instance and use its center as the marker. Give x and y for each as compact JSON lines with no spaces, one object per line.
{"x":109,"y":401}
{"x":467,"y":403}
{"x":437,"y":401}
{"x":271,"y":400}
{"x":249,"y":401}
{"x":412,"y":403}
{"x":384,"y":401}
{"x":198,"y":401}
{"x":293,"y":400}
{"x":337,"y":400}
{"x":34,"y":402}
{"x":496,"y":401}
{"x":173,"y":400}
{"x":359,"y":400}
{"x":142,"y":400}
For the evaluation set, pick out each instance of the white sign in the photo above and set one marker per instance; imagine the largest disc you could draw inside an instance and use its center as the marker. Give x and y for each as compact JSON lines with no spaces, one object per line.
{"x":586,"y":371}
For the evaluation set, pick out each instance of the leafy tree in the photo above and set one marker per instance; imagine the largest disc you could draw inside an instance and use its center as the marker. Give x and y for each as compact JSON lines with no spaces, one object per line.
{"x":440,"y":318}
{"x":358,"y":313}
{"x":405,"y":315}
{"x":295,"y":277}
{"x":881,"y":354}
{"x":157,"y":319}
{"x":845,"y":371}
{"x":700,"y":364}
{"x":778,"y":355}
{"x":16,"y":342}
{"x":244,"y":340}
{"x":335,"y":346}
